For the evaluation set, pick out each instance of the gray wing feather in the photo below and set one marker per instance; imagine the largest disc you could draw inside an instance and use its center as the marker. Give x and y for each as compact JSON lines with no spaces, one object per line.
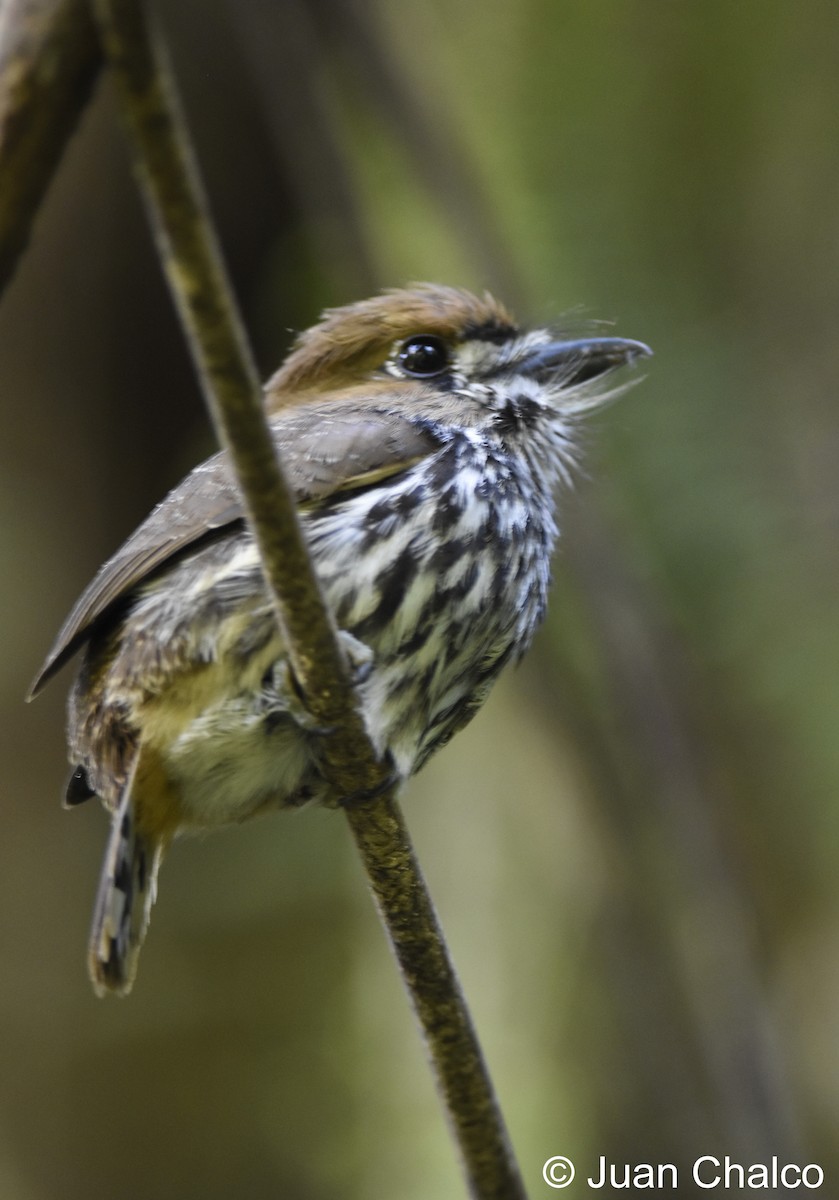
{"x":325,"y":449}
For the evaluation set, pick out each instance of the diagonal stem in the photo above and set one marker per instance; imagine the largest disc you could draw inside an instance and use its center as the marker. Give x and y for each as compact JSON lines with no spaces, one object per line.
{"x":170,"y":183}
{"x":417,"y":940}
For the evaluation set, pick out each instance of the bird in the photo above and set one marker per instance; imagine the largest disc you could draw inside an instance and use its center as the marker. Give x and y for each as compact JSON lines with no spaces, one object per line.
{"x":426,"y":436}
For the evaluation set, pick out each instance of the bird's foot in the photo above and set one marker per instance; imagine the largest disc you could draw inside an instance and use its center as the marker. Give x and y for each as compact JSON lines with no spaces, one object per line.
{"x":391,"y":781}
{"x":283,"y":697}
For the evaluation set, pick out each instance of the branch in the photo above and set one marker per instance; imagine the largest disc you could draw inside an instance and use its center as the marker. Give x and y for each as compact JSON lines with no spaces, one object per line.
{"x":466,"y":1090}
{"x":49,"y":61}
{"x":169,"y":179}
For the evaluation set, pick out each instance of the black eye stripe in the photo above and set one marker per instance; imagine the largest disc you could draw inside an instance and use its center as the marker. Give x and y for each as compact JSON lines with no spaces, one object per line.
{"x":423,"y":355}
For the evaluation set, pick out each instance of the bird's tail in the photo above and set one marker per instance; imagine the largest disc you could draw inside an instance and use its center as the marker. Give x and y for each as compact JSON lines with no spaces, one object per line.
{"x":127,"y":891}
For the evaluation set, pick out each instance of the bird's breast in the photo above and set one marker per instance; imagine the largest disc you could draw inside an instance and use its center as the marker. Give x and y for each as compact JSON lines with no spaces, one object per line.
{"x":444,"y":573}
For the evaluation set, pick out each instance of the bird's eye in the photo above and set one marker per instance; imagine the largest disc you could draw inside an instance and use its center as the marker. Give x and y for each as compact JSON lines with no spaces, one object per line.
{"x":423,"y":356}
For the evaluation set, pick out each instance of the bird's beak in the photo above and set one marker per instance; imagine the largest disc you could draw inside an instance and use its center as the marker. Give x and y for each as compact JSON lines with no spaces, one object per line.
{"x":579,"y":361}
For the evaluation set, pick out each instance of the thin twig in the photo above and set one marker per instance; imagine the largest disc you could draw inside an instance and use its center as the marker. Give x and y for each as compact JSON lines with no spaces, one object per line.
{"x":169,"y":180}
{"x":408,"y":915}
{"x":49,"y":60}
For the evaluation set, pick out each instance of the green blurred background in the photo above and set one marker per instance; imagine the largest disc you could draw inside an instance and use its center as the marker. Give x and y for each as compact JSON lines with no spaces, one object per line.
{"x":633,"y":848}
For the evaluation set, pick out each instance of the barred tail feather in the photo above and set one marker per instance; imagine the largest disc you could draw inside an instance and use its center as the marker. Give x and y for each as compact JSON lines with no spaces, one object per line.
{"x":127,"y":891}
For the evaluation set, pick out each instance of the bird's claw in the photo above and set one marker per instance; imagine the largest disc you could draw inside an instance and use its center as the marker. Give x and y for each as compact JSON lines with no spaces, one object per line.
{"x":359,"y":657}
{"x":365,"y":795}
{"x":284,"y":697}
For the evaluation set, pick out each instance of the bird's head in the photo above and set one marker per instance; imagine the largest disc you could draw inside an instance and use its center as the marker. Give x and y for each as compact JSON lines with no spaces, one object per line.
{"x":441,"y":341}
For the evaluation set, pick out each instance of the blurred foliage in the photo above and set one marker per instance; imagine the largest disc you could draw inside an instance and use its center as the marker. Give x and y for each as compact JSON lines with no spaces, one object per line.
{"x":633,"y":848}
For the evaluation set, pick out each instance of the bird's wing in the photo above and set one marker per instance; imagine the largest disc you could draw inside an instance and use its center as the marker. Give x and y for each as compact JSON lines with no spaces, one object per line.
{"x":326,"y":448}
